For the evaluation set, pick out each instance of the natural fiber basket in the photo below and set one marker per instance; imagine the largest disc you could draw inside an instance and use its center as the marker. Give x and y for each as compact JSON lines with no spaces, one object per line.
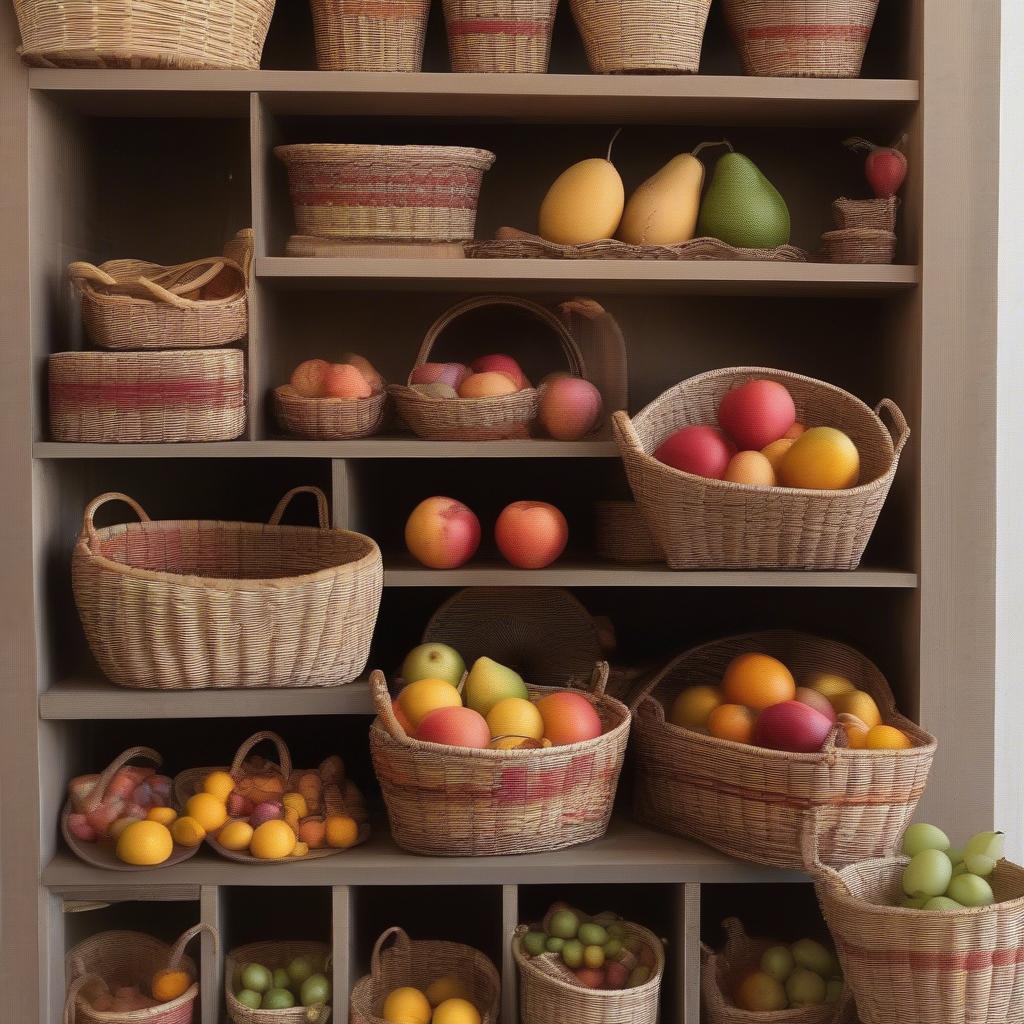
{"x":369,"y":35}
{"x":858,"y":245}
{"x":328,"y":419}
{"x":188,"y":604}
{"x":273,"y":955}
{"x":713,"y":524}
{"x":663,"y":36}
{"x":147,"y":397}
{"x":801,"y":38}
{"x":500,"y":35}
{"x":879,"y":214}
{"x":460,"y":802}
{"x":418,"y":962}
{"x":621,"y":535}
{"x":756,"y":804}
{"x":399,"y":193}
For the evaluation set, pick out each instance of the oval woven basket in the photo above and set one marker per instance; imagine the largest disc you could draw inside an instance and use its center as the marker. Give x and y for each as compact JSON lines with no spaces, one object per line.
{"x":189,"y":604}
{"x":713,"y":524}
{"x":273,"y":955}
{"x":369,"y":35}
{"x":457,"y":802}
{"x":621,"y":534}
{"x":858,"y":245}
{"x":500,"y":35}
{"x":398,"y":960}
{"x":755,"y":803}
{"x":328,"y":419}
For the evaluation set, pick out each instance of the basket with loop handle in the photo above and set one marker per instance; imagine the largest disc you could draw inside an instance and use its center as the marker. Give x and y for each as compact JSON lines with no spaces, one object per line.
{"x":107,"y":961}
{"x":369,"y":35}
{"x":182,"y":604}
{"x":273,"y":955}
{"x":398,"y":961}
{"x":486,"y":36}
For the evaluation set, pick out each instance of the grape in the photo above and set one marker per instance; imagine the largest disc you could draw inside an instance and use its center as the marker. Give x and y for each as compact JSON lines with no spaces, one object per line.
{"x":927,"y":874}
{"x":924,"y":837}
{"x":942,"y":903}
{"x":572,"y":953}
{"x":971,"y":891}
{"x":593,"y":956}
{"x":955,"y":855}
{"x":617,"y":931}
{"x":534,"y":943}
{"x":805,"y":988}
{"x":988,"y":843}
{"x":833,"y":990}
{"x":814,"y":957}
{"x":613,"y":949}
{"x":592,"y":935}
{"x":778,"y":962}
{"x":980,"y":865}
{"x":564,"y":924}
{"x":914,"y":902}
{"x":554,"y":944}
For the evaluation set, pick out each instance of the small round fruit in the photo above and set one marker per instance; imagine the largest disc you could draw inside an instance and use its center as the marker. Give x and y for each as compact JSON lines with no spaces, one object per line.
{"x":442,"y":533}
{"x":565,"y":924}
{"x":756,"y":413}
{"x":616,"y":975}
{"x":591,"y":934}
{"x":887,"y":737}
{"x":235,"y":836}
{"x":751,"y":468}
{"x":342,"y":831}
{"x":928,"y":874}
{"x":699,"y":450}
{"x":273,"y":840}
{"x":535,"y":943}
{"x":554,"y":944}
{"x":165,"y":815}
{"x":406,"y":1005}
{"x":456,"y":1011}
{"x":833,"y":990}
{"x":775,"y":452}
{"x":219,"y":784}
{"x":456,"y":727}
{"x":257,"y":978}
{"x":590,"y":977}
{"x":281,"y":978}
{"x":187,"y":832}
{"x":805,"y":988}
{"x":921,"y":836}
{"x":531,"y":534}
{"x":170,"y":983}
{"x":760,"y":992}
{"x":821,"y":459}
{"x":569,"y":718}
{"x":829,"y":684}
{"x":814,"y":957}
{"x":418,"y":699}
{"x":207,"y":810}
{"x":593,"y":957}
{"x":778,"y":962}
{"x":445,"y":988}
{"x":612,"y":949}
{"x":572,"y":953}
{"x":145,"y":843}
{"x":818,"y":701}
{"x":277,"y":999}
{"x":247,"y":997}
{"x":515,"y":716}
{"x":757,"y":681}
{"x":315,"y":989}
{"x":942,"y":903}
{"x":859,"y":704}
{"x":299,"y":969}
{"x":690,"y":710}
{"x":732,"y":722}
{"x":638,"y":976}
{"x":970,"y":891}
{"x":433,"y":661}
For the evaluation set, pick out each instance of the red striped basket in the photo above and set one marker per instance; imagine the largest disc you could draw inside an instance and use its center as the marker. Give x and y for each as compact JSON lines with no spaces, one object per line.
{"x":500,"y":35}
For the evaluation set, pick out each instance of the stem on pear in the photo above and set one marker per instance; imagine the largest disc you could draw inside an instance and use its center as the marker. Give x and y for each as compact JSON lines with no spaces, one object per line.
{"x":612,"y":143}
{"x":716,"y":142}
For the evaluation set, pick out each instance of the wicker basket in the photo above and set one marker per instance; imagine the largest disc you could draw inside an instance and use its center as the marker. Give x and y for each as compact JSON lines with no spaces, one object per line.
{"x":397,"y":193}
{"x":369,"y":35}
{"x":132,"y":304}
{"x":273,"y":955}
{"x":801,"y":38}
{"x":878,"y":214}
{"x":418,"y":962}
{"x":328,"y":419}
{"x":858,"y":245}
{"x":712,"y":524}
{"x":624,"y":36}
{"x":621,"y":535}
{"x":754,"y":803}
{"x":500,"y":35}
{"x":458,"y":802}
{"x":193,"y":604}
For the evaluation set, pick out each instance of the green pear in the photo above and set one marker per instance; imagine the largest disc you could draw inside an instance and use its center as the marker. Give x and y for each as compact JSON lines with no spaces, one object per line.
{"x":488,"y":682}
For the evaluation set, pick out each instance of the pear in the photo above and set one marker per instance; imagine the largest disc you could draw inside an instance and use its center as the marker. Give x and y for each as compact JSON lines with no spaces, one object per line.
{"x":488,"y":682}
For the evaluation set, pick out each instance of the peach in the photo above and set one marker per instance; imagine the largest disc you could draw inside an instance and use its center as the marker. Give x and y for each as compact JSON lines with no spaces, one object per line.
{"x":367,"y":369}
{"x":345,"y":381}
{"x":489,"y":384}
{"x":308,"y":378}
{"x":569,"y":408}
{"x":442,"y":533}
{"x":501,"y":364}
{"x":452,"y":374}
{"x":752,"y":468}
{"x":531,"y":534}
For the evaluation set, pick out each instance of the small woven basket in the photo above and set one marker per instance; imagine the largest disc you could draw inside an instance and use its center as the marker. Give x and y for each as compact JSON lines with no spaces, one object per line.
{"x":328,"y":419}
{"x":397,"y":193}
{"x":190,"y":604}
{"x":500,"y":35}
{"x":712,"y":524}
{"x":419,"y":962}
{"x":273,"y":955}
{"x":756,"y":804}
{"x":878,"y":214}
{"x":621,"y":534}
{"x":369,"y":35}
{"x":858,"y":245}
{"x":629,"y":36}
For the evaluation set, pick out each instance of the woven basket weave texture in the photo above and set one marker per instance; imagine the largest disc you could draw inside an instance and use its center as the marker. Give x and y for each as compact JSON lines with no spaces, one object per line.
{"x":487,"y":36}
{"x":369,"y":35}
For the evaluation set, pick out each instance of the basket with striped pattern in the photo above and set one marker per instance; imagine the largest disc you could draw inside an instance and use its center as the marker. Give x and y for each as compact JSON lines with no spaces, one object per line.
{"x":500,"y":35}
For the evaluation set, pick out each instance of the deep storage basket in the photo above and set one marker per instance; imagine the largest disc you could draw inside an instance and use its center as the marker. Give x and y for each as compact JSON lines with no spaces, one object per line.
{"x":369,"y":35}
{"x":273,"y":955}
{"x":756,"y":804}
{"x":702,"y":523}
{"x":459,"y":802}
{"x":328,"y":419}
{"x":879,"y":213}
{"x":190,"y":604}
{"x":500,"y":35}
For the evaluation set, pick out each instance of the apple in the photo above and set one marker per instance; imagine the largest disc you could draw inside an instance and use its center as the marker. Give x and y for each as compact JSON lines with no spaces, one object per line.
{"x":501,"y":363}
{"x":433,"y":661}
{"x":757,"y":413}
{"x":703,"y":451}
{"x":793,"y":727}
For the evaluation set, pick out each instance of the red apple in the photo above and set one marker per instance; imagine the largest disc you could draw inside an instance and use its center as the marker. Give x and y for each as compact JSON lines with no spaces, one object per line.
{"x":793,"y":727}
{"x":703,"y":451}
{"x":757,"y":413}
{"x":442,"y":533}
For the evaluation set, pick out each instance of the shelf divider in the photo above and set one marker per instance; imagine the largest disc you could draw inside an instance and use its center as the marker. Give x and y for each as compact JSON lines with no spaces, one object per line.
{"x":211,"y":964}
{"x":509,"y":976}
{"x":342,"y":952}
{"x":690,"y":959}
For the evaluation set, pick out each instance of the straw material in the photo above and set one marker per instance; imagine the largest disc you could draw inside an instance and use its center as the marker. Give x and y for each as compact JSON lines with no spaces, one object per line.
{"x":801,"y":38}
{"x":418,"y":962}
{"x":642,"y":35}
{"x":459,"y":802}
{"x":712,"y":524}
{"x":369,"y":35}
{"x":621,"y":535}
{"x":328,"y":419}
{"x":273,"y":955}
{"x":500,"y":35}
{"x":878,"y":214}
{"x":858,"y":245}
{"x":399,"y":193}
{"x":310,"y":245}
{"x":184,"y":604}
{"x":755,"y":803}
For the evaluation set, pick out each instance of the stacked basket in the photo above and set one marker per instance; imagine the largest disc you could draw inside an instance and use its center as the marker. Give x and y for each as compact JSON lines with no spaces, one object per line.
{"x":865,"y":231}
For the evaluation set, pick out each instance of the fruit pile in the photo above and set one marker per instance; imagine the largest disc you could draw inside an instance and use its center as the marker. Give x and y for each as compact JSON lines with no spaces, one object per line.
{"x":940,"y":877}
{"x":352,"y":377}
{"x":444,"y":1001}
{"x":165,"y":986}
{"x":302,"y":983}
{"x":759,"y":702}
{"x":788,"y":977}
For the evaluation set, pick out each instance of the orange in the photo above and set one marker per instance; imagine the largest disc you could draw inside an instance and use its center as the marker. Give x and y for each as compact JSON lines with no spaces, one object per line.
{"x":856,"y":731}
{"x":821,"y":458}
{"x":219,"y":784}
{"x":691,"y":708}
{"x":757,"y":681}
{"x":145,"y":843}
{"x":165,"y":815}
{"x":732,"y":722}
{"x":235,"y":835}
{"x":887,"y":737}
{"x":207,"y":810}
{"x":774,"y":452}
{"x":168,"y":984}
{"x":342,"y":832}
{"x":273,"y":840}
{"x":187,"y":831}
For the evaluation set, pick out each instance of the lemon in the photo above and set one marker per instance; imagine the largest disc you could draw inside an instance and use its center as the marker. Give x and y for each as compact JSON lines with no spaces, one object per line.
{"x":145,"y":843}
{"x":445,"y":988}
{"x":456,"y":1011}
{"x":235,"y":835}
{"x":273,"y":840}
{"x":515,"y":716}
{"x":406,"y":1006}
{"x":219,"y":784}
{"x":165,"y":815}
{"x":187,"y":831}
{"x":207,"y":810}
{"x":298,"y":802}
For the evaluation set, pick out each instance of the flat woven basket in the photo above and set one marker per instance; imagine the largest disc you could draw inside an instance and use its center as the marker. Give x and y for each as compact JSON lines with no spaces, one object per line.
{"x":713,"y":524}
{"x":458,"y":802}
{"x":398,"y":961}
{"x":190,"y":604}
{"x":858,"y":245}
{"x":621,"y":534}
{"x":398,"y":193}
{"x":500,"y":35}
{"x":625,"y":36}
{"x":328,"y":419}
{"x":369,"y":35}
{"x":757,"y":804}
{"x":801,"y":38}
{"x":879,"y":214}
{"x":273,"y":955}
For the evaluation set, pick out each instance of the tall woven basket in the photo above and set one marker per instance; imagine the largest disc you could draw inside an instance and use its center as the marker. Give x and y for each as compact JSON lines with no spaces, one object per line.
{"x":713,"y":524}
{"x":500,"y":35}
{"x":190,"y":604}
{"x":273,"y":955}
{"x":369,"y":35}
{"x":755,"y":803}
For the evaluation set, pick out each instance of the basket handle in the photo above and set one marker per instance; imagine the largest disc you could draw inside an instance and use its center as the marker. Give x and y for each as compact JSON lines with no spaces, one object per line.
{"x":284,"y":759}
{"x":80,"y":271}
{"x":178,"y":949}
{"x":625,"y":433}
{"x":214,"y":264}
{"x":74,"y":988}
{"x":809,"y":853}
{"x":599,"y":679}
{"x":401,"y":945}
{"x":99,"y":791}
{"x":323,"y":517}
{"x":900,"y":430}
{"x":89,"y":528}
{"x":382,"y":703}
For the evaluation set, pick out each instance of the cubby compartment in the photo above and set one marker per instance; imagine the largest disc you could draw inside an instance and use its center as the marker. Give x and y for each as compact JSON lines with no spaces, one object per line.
{"x":766,"y":911}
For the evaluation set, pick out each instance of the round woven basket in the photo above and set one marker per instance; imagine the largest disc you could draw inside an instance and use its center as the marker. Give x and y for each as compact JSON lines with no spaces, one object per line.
{"x":621,"y":534}
{"x":877,"y":214}
{"x":801,"y":38}
{"x":500,"y":35}
{"x":190,"y":604}
{"x":328,"y":419}
{"x":624,"y":36}
{"x":273,"y":955}
{"x":757,"y":804}
{"x":713,"y":524}
{"x":369,"y":35}
{"x":398,"y":961}
{"x":858,"y":245}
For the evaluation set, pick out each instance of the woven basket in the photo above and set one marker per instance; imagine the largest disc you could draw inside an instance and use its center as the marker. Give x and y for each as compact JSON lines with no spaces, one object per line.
{"x":801,"y":38}
{"x":878,"y":214}
{"x":458,"y":802}
{"x":273,"y":955}
{"x":642,"y":35}
{"x":132,"y":304}
{"x":189,"y":604}
{"x":500,"y":35}
{"x":621,"y":535}
{"x":328,"y":419}
{"x":398,"y":193}
{"x":858,"y":245}
{"x":712,"y":524}
{"x":369,"y":35}
{"x":754,"y":803}
{"x":129,"y":958}
{"x":418,"y":962}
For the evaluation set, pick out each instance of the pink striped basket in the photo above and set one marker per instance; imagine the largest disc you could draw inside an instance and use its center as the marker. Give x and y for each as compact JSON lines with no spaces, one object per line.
{"x":500,"y":35}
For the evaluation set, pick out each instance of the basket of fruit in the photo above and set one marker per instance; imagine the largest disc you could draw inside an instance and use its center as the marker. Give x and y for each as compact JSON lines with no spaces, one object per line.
{"x":500,"y":35}
{"x":278,"y":983}
{"x":369,"y":35}
{"x":424,"y":980}
{"x":188,"y":604}
{"x":731,"y":751}
{"x":794,"y":476}
{"x":497,"y":767}
{"x":255,"y":810}
{"x":575,"y":967}
{"x":112,"y":972}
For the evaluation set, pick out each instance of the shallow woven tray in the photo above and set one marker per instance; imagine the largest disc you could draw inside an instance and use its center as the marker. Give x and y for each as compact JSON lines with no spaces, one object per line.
{"x":328,"y":419}
{"x":369,"y":248}
{"x":858,"y":245}
{"x":369,"y":35}
{"x":508,"y":36}
{"x":273,"y":955}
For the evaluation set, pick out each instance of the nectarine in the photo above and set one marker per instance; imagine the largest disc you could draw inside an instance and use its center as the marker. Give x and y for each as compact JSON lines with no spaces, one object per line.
{"x":531,"y":534}
{"x":442,"y":533}
{"x":308,"y":377}
{"x":569,"y":408}
{"x":344,"y":381}
{"x":489,"y":384}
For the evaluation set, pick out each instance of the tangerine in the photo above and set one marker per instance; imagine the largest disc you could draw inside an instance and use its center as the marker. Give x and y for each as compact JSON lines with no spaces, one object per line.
{"x":219,"y":784}
{"x":757,"y":681}
{"x":342,"y":831}
{"x":207,"y":810}
{"x":732,"y":722}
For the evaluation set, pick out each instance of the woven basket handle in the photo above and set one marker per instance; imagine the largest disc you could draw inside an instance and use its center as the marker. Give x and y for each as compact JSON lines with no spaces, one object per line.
{"x":625,"y":433}
{"x":178,"y":949}
{"x":599,"y":679}
{"x":214,"y":265}
{"x":74,"y":988}
{"x":809,"y":852}
{"x":80,"y":271}
{"x":402,"y":946}
{"x":284,"y":759}
{"x":900,"y":429}
{"x":382,"y":703}
{"x":89,"y":528}
{"x":322,"y":512}
{"x":99,"y":791}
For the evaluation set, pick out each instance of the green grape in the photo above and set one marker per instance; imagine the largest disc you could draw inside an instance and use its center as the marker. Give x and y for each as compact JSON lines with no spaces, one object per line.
{"x":980,"y":865}
{"x":554,"y":944}
{"x":955,"y":855}
{"x":914,"y":902}
{"x":564,"y":924}
{"x":833,"y":990}
{"x":613,"y":949}
{"x":617,"y":931}
{"x":988,"y":844}
{"x":778,"y":962}
{"x":805,"y":988}
{"x":534,"y":943}
{"x":814,"y":957}
{"x":942,"y":903}
{"x":592,"y":935}
{"x":971,"y":891}
{"x":572,"y":953}
{"x":927,"y":874}
{"x":920,"y":837}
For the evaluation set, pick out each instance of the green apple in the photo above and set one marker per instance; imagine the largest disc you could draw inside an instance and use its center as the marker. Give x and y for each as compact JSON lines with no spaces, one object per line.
{"x":257,"y":978}
{"x":277,"y":999}
{"x":433,"y":661}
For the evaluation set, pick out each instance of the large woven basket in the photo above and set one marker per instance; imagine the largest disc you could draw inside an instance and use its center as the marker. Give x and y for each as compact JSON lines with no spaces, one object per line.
{"x":188,"y":604}
{"x":801,"y":38}
{"x":713,"y":524}
{"x":624,"y":36}
{"x":500,"y":35}
{"x":621,"y":534}
{"x":369,"y":35}
{"x":756,"y":804}
{"x":273,"y":955}
{"x":397,"y":193}
{"x":328,"y":419}
{"x":398,"y":961}
{"x":459,"y":802}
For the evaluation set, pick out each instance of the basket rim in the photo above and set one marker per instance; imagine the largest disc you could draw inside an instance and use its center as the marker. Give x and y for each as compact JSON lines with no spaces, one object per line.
{"x":283,"y":395}
{"x":407,"y":393}
{"x":838,"y":234}
{"x":348,"y":152}
{"x":231,"y":959}
{"x":227,"y":351}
